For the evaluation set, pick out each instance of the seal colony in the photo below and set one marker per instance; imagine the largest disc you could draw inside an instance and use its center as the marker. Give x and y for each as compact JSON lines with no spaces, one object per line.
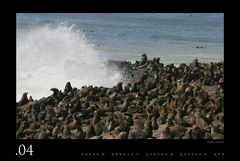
{"x":153,"y":102}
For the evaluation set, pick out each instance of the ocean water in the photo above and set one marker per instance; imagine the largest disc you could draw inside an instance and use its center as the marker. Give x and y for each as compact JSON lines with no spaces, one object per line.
{"x":54,"y":48}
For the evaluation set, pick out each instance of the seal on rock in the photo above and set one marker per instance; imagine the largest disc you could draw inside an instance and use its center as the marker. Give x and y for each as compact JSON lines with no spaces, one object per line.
{"x":23,"y":100}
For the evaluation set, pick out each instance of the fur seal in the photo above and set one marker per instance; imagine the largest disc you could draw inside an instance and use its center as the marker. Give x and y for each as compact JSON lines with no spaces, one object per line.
{"x":42,"y":135}
{"x":200,"y":122}
{"x":23,"y":100}
{"x":162,"y":133}
{"x":122,"y":135}
{"x":144,"y":59}
{"x":55,"y":91}
{"x":67,"y":88}
{"x":118,"y":88}
{"x":79,"y":133}
{"x":30,"y":99}
{"x":108,"y":135}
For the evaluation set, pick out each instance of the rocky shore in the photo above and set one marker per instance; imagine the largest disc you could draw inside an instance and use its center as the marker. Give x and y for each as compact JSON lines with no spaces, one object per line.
{"x":154,"y":101}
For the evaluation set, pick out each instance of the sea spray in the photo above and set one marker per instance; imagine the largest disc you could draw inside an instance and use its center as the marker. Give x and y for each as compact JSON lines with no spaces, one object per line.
{"x":50,"y":55}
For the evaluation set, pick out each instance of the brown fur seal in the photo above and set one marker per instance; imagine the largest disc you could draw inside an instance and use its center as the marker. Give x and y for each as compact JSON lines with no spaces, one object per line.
{"x":67,"y":88}
{"x":55,"y":91}
{"x":31,"y":99}
{"x":23,"y":100}
{"x":200,"y":122}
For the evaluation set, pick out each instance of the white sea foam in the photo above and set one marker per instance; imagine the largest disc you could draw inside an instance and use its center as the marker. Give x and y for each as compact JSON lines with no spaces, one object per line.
{"x":51,"y":55}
